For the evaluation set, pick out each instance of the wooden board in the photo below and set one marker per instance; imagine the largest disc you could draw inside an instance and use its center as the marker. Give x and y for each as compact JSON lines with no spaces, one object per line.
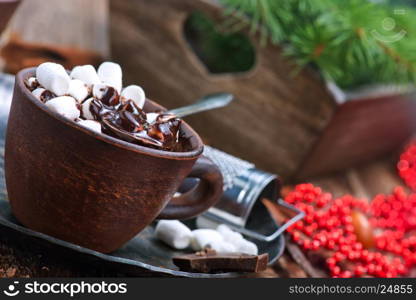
{"x":7,"y":9}
{"x":277,"y":116}
{"x":70,"y":32}
{"x":360,"y":131}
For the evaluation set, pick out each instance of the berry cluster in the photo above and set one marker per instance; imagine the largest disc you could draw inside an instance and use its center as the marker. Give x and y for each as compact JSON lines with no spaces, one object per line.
{"x":395,"y":215}
{"x":341,"y":230}
{"x":407,"y":165}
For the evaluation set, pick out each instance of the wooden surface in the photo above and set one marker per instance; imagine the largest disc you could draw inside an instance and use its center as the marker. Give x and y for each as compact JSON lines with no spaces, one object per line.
{"x":70,"y":32}
{"x":277,"y":115}
{"x":362,"y":130}
{"x":7,"y":9}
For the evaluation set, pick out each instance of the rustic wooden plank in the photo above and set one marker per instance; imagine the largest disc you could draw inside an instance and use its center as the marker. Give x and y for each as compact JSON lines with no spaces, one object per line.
{"x":379,"y":177}
{"x":288,"y":268}
{"x":277,"y":115}
{"x":336,"y":184}
{"x":70,"y":32}
{"x":18,"y":262}
{"x":7,"y":9}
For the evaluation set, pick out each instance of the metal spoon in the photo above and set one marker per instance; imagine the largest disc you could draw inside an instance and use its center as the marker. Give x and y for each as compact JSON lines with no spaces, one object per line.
{"x":206,"y":103}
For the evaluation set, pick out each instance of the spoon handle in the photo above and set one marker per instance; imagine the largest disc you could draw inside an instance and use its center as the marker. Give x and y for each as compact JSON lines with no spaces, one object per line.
{"x":207,"y":103}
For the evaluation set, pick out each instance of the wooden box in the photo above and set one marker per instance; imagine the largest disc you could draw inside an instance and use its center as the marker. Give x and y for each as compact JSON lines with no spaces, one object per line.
{"x":7,"y":9}
{"x":69,"y":32}
{"x":366,"y":126}
{"x":276,"y":118}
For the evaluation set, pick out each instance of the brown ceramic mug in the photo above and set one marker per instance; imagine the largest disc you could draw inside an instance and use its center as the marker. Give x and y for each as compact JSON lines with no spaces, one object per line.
{"x":92,"y":189}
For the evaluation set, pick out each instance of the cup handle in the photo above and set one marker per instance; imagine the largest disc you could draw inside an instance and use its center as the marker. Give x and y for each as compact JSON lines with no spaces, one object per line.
{"x":202,"y":196}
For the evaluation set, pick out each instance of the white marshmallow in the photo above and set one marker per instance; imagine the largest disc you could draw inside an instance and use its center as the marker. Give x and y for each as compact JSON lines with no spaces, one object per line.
{"x":65,"y":106}
{"x":134,"y":93}
{"x":32,"y":82}
{"x":202,"y":237}
{"x":98,"y":90}
{"x":229,"y":235}
{"x":110,"y":73}
{"x":38,"y":92}
{"x":222,"y":247}
{"x":53,"y":77}
{"x":78,"y":90}
{"x":173,"y":233}
{"x":151,"y":117}
{"x":86,"y":74}
{"x":90,"y":124}
{"x":85,"y":109}
{"x":246,"y":247}
{"x":237,"y":240}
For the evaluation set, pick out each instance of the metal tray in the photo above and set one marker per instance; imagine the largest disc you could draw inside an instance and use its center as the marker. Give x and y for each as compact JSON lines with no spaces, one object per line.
{"x":142,"y":255}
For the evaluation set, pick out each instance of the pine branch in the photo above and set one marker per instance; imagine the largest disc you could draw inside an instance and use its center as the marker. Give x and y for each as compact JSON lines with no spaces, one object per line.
{"x":344,"y":39}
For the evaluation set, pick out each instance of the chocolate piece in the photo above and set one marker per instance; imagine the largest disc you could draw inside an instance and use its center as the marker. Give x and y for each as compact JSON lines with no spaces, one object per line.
{"x":46,"y":96}
{"x":209,"y":261}
{"x":110,"y":96}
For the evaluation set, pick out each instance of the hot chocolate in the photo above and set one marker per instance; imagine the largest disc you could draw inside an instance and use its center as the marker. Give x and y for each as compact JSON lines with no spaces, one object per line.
{"x":97,"y":97}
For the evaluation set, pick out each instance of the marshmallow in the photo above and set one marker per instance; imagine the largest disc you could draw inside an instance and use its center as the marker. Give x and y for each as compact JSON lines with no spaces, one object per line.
{"x":151,"y":117}
{"x":86,"y":74}
{"x":98,"y":90}
{"x":38,"y":93}
{"x":229,"y":235}
{"x":222,"y":247}
{"x":65,"y":106}
{"x":201,"y":238}
{"x":173,"y":233}
{"x":110,"y":73}
{"x":85,"y":109}
{"x":108,"y":95}
{"x":236,"y":239}
{"x":32,"y":83}
{"x":246,"y":247}
{"x":43,"y":95}
{"x":93,"y":125}
{"x":53,"y":77}
{"x":134,"y":93}
{"x":78,"y":90}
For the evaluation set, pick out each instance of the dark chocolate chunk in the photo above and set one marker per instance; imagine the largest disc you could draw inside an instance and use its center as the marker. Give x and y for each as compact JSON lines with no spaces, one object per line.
{"x":46,"y":96}
{"x":110,"y":96}
{"x":212,"y":262}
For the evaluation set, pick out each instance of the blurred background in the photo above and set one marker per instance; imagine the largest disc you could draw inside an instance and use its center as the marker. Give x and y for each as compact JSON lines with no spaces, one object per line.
{"x":306,"y":73}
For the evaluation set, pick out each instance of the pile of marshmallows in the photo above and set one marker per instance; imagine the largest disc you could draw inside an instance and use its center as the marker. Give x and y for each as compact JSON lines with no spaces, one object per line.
{"x":70,"y":95}
{"x":222,"y":239}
